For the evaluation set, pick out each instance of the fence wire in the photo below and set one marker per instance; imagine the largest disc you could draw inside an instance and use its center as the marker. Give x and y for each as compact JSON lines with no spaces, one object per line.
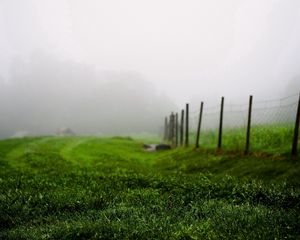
{"x":272,"y":125}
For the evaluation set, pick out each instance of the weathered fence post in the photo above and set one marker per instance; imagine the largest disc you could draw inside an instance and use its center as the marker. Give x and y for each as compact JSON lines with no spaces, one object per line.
{"x":172,"y":128}
{"x":248,"y":125}
{"x":181,"y":127}
{"x":199,"y":125}
{"x":296,"y":131}
{"x":187,"y":125}
{"x":176,"y":129}
{"x":169,"y":128}
{"x":221,"y":125}
{"x":166,"y":129}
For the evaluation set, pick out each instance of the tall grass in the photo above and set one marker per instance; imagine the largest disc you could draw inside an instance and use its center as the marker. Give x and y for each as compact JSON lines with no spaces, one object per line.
{"x":274,"y":138}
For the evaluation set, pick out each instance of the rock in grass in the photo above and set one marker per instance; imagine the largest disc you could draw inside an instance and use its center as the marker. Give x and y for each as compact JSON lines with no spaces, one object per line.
{"x":162,"y":146}
{"x":156,"y":147}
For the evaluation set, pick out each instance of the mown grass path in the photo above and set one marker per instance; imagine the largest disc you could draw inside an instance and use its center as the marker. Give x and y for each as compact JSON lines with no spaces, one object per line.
{"x":110,"y":188}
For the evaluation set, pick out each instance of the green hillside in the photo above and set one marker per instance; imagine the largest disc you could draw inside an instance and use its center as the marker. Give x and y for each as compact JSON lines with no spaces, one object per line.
{"x":110,"y":188}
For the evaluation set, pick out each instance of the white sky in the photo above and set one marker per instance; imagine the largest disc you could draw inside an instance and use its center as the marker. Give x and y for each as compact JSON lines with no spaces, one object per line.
{"x":192,"y":49}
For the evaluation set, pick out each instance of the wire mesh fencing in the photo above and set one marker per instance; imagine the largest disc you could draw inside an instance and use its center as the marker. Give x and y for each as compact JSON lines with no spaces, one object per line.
{"x":271,"y":124}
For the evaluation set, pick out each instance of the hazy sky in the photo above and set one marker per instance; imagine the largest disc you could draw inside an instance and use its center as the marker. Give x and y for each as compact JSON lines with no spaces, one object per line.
{"x":192,"y":49}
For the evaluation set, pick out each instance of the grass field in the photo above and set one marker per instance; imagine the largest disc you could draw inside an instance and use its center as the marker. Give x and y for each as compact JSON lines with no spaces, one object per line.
{"x":274,"y":139}
{"x":109,"y":188}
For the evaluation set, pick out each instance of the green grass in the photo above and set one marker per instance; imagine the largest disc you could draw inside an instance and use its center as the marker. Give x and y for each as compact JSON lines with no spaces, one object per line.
{"x":109,"y":188}
{"x":273,"y":139}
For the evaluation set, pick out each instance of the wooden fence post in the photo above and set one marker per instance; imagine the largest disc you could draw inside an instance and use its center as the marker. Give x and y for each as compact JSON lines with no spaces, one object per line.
{"x":296,"y":131}
{"x":181,"y":127}
{"x":166,"y":129}
{"x":172,"y":128}
{"x":248,"y":125}
{"x":199,"y":125}
{"x":176,"y":129}
{"x":187,"y":125}
{"x":221,"y":125}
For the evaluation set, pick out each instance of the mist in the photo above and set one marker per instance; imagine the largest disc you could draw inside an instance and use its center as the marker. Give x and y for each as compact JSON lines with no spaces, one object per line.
{"x":44,"y":95}
{"x":118,"y":67}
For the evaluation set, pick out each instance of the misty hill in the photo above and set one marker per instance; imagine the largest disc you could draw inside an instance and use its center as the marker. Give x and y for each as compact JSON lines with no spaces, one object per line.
{"x":45,"y":94}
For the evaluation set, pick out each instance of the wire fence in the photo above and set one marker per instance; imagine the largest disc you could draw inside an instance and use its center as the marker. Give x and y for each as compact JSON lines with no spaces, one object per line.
{"x":272,"y":125}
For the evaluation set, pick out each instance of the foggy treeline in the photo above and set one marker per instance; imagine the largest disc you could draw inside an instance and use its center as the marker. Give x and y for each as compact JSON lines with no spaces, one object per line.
{"x":44,"y":94}
{"x":107,"y":67}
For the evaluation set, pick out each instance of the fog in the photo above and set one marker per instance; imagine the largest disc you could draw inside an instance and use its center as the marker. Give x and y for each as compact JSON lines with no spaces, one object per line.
{"x":45,"y":94}
{"x":118,"y":67}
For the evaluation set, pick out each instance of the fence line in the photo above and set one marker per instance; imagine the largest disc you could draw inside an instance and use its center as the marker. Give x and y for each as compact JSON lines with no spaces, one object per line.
{"x":277,"y":118}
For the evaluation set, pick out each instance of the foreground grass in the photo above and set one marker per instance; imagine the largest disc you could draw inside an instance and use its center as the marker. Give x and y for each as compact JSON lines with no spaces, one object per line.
{"x":92,"y":188}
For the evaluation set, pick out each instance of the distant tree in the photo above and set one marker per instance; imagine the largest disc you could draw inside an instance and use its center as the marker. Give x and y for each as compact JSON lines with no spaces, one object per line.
{"x":46,"y":93}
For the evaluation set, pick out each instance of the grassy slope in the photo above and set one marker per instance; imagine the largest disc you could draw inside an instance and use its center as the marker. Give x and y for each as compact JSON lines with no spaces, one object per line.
{"x":82,"y":187}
